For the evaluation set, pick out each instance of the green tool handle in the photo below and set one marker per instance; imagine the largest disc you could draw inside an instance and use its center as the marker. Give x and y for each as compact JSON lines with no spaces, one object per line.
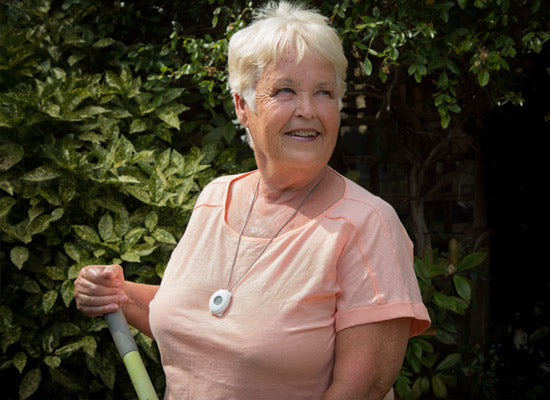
{"x":128,"y":350}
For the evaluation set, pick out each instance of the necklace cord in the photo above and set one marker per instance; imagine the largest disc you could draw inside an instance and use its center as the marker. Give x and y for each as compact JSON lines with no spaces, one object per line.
{"x":270,"y":240}
{"x":242,"y":231}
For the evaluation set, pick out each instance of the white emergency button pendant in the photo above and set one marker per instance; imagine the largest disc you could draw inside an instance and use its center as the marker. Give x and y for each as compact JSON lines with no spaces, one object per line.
{"x":219,"y":302}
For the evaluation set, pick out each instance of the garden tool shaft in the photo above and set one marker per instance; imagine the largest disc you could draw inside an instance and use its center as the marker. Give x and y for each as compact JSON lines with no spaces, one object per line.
{"x":128,"y":350}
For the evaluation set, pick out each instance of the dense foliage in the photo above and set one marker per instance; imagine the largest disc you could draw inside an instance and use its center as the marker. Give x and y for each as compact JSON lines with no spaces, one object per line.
{"x":96,"y":166}
{"x":114,"y":115}
{"x":433,"y":70}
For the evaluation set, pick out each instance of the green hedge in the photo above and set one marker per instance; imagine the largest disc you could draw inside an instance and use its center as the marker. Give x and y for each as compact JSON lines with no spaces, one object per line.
{"x":97,"y":166}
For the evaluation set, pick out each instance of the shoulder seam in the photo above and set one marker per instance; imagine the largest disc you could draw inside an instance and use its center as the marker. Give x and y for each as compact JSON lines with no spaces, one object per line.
{"x":385,"y":230}
{"x":207,"y":205}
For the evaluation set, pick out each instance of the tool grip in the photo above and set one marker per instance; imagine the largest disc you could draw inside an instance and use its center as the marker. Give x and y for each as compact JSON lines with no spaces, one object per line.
{"x":127,"y":348}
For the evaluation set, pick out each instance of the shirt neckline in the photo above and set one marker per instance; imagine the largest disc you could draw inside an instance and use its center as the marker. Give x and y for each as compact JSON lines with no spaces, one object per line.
{"x":290,"y":232}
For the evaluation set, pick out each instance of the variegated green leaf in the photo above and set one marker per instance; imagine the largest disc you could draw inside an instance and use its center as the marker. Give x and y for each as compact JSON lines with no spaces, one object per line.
{"x":106,"y":227}
{"x":10,"y":336}
{"x":52,"y":361}
{"x":87,"y":233}
{"x":10,"y":154}
{"x":163,"y":236}
{"x":6,"y":317}
{"x":41,"y":174}
{"x":19,"y":255}
{"x":30,"y":383}
{"x":170,"y":117}
{"x":56,"y":273}
{"x":151,"y":220}
{"x":19,"y":361}
{"x":48,"y":300}
{"x":67,"y":291}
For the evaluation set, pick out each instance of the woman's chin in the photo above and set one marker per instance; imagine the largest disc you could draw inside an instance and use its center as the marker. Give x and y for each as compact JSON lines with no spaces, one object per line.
{"x":305,"y":161}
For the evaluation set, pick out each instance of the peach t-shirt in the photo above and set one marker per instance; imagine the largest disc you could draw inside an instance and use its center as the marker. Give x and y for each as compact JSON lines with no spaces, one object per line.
{"x":351,"y":265}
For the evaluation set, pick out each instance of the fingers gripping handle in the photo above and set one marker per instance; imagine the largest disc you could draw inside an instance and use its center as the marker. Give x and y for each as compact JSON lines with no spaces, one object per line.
{"x":127,"y":349}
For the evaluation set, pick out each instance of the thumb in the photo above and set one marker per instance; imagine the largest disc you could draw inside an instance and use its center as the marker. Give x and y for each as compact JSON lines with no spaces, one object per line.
{"x":114,"y":274}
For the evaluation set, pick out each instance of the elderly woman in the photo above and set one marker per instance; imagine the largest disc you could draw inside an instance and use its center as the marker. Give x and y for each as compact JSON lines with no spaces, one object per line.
{"x":290,"y":282}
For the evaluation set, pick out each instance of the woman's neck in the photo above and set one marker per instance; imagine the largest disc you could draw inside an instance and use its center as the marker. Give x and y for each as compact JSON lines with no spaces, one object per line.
{"x":286,"y":188}
{"x":275,"y":203}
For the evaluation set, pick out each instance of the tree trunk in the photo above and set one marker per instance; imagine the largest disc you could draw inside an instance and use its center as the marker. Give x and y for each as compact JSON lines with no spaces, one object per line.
{"x":420,"y":230}
{"x":480,"y":314}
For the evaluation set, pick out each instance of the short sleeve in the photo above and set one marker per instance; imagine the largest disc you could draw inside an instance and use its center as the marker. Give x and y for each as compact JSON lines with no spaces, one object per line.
{"x":375,"y":271}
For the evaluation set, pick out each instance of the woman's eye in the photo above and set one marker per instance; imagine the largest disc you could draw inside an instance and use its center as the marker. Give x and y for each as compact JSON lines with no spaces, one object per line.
{"x":285,"y":90}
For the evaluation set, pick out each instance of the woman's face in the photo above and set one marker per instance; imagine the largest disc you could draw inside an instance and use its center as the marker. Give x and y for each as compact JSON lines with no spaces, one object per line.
{"x":297,"y":115}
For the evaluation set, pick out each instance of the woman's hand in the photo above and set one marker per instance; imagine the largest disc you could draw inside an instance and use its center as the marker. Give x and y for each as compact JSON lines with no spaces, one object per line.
{"x":99,"y":289}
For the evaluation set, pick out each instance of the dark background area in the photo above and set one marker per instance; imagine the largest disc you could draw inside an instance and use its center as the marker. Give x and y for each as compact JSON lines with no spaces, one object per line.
{"x":515,"y":148}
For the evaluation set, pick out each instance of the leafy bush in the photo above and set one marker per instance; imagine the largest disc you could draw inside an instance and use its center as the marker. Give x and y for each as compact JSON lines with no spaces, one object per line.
{"x":458,"y":46}
{"x":431,"y":361}
{"x":95,"y":168}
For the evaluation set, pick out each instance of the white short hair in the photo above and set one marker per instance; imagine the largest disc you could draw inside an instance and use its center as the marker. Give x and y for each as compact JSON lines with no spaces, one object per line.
{"x":278,"y":30}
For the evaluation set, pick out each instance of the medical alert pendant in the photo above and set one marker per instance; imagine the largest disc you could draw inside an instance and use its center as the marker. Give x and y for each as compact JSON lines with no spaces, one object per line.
{"x":219,"y":302}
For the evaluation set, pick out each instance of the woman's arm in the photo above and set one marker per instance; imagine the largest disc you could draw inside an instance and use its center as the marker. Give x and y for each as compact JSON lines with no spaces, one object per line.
{"x":136,"y":308}
{"x":367,"y":360}
{"x":101,"y":289}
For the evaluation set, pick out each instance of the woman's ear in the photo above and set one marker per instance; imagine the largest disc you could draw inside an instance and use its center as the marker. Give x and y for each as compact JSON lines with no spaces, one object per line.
{"x":240,"y":109}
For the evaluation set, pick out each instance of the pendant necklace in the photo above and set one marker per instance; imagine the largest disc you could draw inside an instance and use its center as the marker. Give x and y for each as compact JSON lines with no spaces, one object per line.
{"x":220,"y":300}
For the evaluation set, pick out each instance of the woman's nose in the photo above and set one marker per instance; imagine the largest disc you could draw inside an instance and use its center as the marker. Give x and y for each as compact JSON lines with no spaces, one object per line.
{"x":305,"y":107}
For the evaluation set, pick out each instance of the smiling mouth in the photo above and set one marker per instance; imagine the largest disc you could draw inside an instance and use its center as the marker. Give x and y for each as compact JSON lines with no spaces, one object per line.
{"x":303,"y":134}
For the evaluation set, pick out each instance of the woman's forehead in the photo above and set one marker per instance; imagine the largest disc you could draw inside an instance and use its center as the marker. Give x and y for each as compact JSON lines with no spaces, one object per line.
{"x":290,"y":71}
